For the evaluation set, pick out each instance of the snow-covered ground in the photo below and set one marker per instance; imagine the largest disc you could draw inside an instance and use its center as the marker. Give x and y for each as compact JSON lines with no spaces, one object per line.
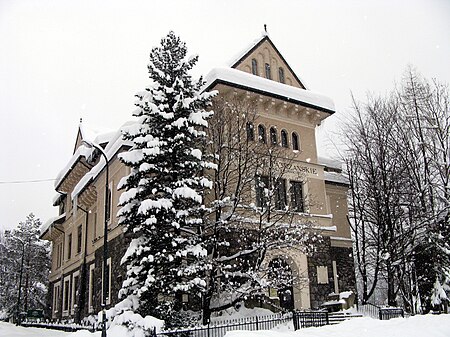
{"x":417,"y":326}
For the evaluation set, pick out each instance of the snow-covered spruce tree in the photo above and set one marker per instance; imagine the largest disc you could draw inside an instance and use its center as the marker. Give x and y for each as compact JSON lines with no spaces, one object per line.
{"x":162,"y":205}
{"x":24,"y":267}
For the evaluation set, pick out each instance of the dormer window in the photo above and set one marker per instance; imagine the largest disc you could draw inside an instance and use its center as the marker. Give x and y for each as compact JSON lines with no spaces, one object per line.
{"x":268,"y":74}
{"x":254,"y":67}
{"x":281,"y":75}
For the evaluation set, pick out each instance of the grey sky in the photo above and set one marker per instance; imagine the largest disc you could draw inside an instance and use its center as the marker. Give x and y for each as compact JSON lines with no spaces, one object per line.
{"x":62,"y":60}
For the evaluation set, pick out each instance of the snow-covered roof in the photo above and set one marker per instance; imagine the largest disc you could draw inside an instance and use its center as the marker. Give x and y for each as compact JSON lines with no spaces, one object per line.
{"x":96,"y":135}
{"x":253,"y":45}
{"x":44,"y":227}
{"x":114,"y":144}
{"x":330,"y":162}
{"x":57,"y":198}
{"x":336,"y":177}
{"x":262,"y":85}
{"x":81,"y":151}
{"x":238,"y":56}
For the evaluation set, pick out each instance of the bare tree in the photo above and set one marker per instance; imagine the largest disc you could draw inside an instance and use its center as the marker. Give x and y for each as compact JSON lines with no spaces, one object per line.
{"x":249,"y":212}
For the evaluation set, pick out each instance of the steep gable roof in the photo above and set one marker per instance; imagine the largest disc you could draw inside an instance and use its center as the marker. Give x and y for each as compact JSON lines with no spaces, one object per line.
{"x":244,"y":55}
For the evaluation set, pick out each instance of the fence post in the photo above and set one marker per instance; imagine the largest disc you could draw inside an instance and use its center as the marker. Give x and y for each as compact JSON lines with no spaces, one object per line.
{"x":257,"y":327}
{"x":294,"y":320}
{"x":208,"y":329}
{"x":403,"y":313}
{"x":380,"y":313}
{"x":327,"y":318}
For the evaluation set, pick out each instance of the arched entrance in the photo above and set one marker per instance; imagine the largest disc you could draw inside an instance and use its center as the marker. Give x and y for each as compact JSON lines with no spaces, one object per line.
{"x":281,"y":280}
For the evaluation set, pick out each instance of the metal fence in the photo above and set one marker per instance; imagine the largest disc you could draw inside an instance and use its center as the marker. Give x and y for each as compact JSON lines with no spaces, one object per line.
{"x":307,"y":319}
{"x":219,"y":329}
{"x":377,"y":312}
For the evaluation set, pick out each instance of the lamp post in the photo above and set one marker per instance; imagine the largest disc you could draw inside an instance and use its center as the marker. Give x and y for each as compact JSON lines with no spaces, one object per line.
{"x":105,"y":237}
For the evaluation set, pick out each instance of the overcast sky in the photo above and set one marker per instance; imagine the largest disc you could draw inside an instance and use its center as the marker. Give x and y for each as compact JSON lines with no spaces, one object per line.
{"x":62,"y":60}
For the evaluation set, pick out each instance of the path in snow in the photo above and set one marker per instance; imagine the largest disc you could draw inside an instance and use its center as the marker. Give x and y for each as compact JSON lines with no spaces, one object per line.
{"x":11,"y":330}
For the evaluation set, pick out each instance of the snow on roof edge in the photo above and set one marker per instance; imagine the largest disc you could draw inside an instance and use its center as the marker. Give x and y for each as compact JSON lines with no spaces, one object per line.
{"x":251,"y":81}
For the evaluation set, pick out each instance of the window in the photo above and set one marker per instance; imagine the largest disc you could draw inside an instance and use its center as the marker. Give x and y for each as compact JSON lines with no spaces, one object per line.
{"x":281,"y":75}
{"x":96,"y":230}
{"x":254,"y":67}
{"x":280,"y":194}
{"x":297,"y":196}
{"x":56,"y":295}
{"x":109,"y":203}
{"x":75,"y":291}
{"x":107,"y":284}
{"x":273,"y":136}
{"x":284,"y":139}
{"x":262,"y":186}
{"x":91,"y":287}
{"x":69,"y":246}
{"x":62,"y":208}
{"x":268,"y":74}
{"x":79,"y":238}
{"x":66,"y":295}
{"x":335,"y":278}
{"x":59,"y":254}
{"x":295,"y":142}
{"x":262,"y":133}
{"x":250,"y":131}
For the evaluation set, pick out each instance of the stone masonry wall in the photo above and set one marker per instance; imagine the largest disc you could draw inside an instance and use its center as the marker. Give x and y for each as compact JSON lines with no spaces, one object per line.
{"x":345,"y":268}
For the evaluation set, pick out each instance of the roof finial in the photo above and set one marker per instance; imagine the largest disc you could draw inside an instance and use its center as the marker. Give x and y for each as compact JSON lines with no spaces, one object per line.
{"x":265,"y":28}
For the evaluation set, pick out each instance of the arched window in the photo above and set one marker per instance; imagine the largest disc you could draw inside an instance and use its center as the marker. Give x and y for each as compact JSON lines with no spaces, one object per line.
{"x":250,"y":131}
{"x":254,"y":67}
{"x":284,"y":138}
{"x":273,"y":136}
{"x":281,"y":75}
{"x":295,"y":143}
{"x":268,"y":74}
{"x":262,"y":133}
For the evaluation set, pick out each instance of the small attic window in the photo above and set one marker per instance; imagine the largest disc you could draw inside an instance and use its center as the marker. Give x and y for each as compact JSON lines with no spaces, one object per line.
{"x":281,"y":75}
{"x":268,"y":74}
{"x":254,"y":67}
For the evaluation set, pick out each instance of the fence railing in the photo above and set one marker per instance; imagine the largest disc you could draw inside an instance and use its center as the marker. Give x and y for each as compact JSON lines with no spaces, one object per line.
{"x":219,"y":329}
{"x":377,"y":312}
{"x":307,"y":319}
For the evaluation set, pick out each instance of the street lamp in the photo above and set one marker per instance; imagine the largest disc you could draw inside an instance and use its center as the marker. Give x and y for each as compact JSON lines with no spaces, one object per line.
{"x":105,"y":236}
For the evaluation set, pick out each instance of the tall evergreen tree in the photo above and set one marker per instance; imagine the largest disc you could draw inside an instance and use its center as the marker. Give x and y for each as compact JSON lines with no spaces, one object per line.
{"x":162,"y":205}
{"x":24,"y":267}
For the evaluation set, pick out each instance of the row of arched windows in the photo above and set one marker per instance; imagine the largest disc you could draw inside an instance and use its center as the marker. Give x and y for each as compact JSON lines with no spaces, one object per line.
{"x":273,"y":136}
{"x":267,"y":71}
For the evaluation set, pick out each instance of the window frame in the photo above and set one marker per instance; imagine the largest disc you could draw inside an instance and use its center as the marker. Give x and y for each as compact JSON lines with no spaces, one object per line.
{"x":254,"y":67}
{"x":295,"y":142}
{"x":273,"y":135}
{"x":108,"y":298}
{"x":69,"y":246}
{"x":262,"y":136}
{"x":297,"y":199}
{"x":66,"y":301}
{"x":75,"y":275}
{"x":91,"y":288}
{"x":268,"y":71}
{"x":262,"y":200}
{"x":280,"y":194}
{"x":250,"y":130}
{"x":281,"y":77}
{"x":284,"y":139}
{"x":79,"y":238}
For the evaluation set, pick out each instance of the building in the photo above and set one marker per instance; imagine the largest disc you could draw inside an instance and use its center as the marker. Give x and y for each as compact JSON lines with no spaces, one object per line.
{"x":288,"y":114}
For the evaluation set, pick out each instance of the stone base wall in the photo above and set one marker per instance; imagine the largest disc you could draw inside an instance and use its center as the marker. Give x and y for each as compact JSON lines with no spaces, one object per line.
{"x":345,"y":268}
{"x":321,"y":257}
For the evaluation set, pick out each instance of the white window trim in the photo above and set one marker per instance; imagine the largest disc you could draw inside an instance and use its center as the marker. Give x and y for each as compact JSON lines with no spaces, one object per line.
{"x":74,"y":297}
{"x":91,"y":287}
{"x":66,"y":312}
{"x":108,"y":263}
{"x":111,"y":190}
{"x":56,"y":293}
